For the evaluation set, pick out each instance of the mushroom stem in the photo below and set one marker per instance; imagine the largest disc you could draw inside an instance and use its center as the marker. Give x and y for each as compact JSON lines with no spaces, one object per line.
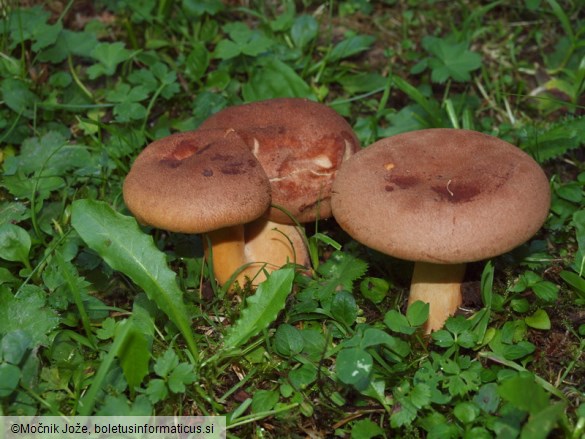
{"x":227,"y":251}
{"x":254,"y":247}
{"x":270,"y":245}
{"x":439,"y":285}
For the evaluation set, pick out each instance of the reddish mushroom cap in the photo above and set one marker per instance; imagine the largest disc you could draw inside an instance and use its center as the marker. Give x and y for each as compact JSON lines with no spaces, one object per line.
{"x":441,"y":196}
{"x":196,"y":182}
{"x":300,"y":145}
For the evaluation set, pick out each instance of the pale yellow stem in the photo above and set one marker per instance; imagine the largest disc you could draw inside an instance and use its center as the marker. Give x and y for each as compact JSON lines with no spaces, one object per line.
{"x":271,"y":245}
{"x":255,"y":249}
{"x":439,"y":285}
{"x":228,"y":251}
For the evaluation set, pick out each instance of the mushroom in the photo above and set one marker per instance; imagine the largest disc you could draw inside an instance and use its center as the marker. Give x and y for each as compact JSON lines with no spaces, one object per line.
{"x":204,"y":181}
{"x":441,"y":198}
{"x":300,"y":144}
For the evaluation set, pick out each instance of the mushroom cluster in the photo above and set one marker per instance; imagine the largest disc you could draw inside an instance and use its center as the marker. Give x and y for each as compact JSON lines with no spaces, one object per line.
{"x":441,"y":198}
{"x":245,"y":178}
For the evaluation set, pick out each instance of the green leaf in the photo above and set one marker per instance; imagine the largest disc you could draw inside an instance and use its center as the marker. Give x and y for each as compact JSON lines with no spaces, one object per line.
{"x":134,"y":357}
{"x":576,"y":281}
{"x":273,"y":79}
{"x":417,"y":313}
{"x":288,"y":340}
{"x":181,"y":375}
{"x":451,"y":59}
{"x":109,"y":55}
{"x":9,"y":378}
{"x":165,"y":364}
{"x":466,"y":412}
{"x":344,"y":308}
{"x":121,"y":243}
{"x":17,"y":96}
{"x":261,"y":309}
{"x":365,"y":429}
{"x":374,"y":289}
{"x":524,"y":393}
{"x":14,"y":345}
{"x":538,"y":320}
{"x":303,"y":376}
{"x":157,"y":390}
{"x":351,"y":46}
{"x":304,"y":30}
{"x":14,"y":243}
{"x":540,"y":425}
{"x":487,"y":398}
{"x":354,"y":366}
{"x":264,"y":400}
{"x":443,"y":338}
{"x":197,"y":62}
{"x":27,"y":312}
{"x":398,"y":322}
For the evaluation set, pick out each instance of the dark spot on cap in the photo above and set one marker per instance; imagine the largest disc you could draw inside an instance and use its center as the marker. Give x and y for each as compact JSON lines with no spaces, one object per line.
{"x":207,"y":173}
{"x":252,"y":163}
{"x":233,"y":168}
{"x":202,"y":150}
{"x":388,"y":188}
{"x":221,"y":157}
{"x":403,"y":181}
{"x":457,"y":192}
{"x":170,"y":162}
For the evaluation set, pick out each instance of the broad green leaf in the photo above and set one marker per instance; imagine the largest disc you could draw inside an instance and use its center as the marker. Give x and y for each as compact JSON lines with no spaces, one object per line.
{"x":466,"y":412}
{"x":9,"y":378}
{"x":523,"y":392}
{"x":121,"y":243}
{"x":344,"y":308}
{"x":351,"y":46}
{"x":303,"y":376}
{"x":374,"y":288}
{"x":27,"y":312}
{"x":264,"y":400}
{"x":273,"y":79}
{"x":366,"y":429}
{"x":398,"y":322}
{"x":417,"y":313}
{"x":288,"y":340}
{"x":109,"y":56}
{"x":14,"y":243}
{"x":157,"y":390}
{"x":576,"y":281}
{"x":181,"y":375}
{"x":538,"y":320}
{"x":540,"y":425}
{"x":354,"y":366}
{"x":450,"y":60}
{"x":14,"y":345}
{"x":304,"y":30}
{"x":134,"y":357}
{"x":17,"y":96}
{"x":261,"y":309}
{"x":487,"y":398}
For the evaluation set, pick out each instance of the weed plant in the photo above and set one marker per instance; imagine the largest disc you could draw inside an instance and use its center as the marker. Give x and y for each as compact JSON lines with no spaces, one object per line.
{"x":99,"y":315}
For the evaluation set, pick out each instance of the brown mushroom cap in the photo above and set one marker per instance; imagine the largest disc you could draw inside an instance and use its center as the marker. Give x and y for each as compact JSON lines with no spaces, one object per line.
{"x":196,"y":182}
{"x":441,"y":196}
{"x":300,"y":145}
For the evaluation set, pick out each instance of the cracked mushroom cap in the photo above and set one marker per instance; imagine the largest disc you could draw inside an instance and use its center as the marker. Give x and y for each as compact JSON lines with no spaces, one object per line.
{"x":196,"y":182}
{"x":300,"y":144}
{"x":441,"y":196}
